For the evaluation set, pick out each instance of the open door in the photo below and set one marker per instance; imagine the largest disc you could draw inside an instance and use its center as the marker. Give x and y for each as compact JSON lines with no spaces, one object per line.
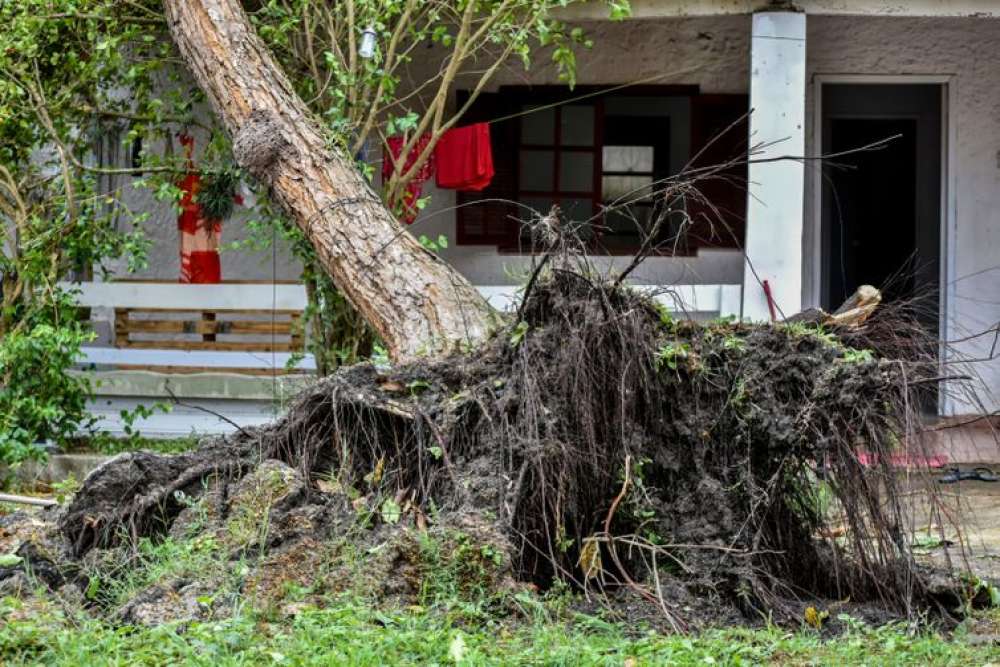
{"x":882,"y":208}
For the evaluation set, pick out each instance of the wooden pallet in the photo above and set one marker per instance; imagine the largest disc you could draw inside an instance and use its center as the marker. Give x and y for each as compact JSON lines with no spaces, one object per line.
{"x":229,"y":330}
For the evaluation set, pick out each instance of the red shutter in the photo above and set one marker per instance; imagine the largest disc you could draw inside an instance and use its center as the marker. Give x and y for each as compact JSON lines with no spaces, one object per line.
{"x":479,"y":220}
{"x":711,"y":115}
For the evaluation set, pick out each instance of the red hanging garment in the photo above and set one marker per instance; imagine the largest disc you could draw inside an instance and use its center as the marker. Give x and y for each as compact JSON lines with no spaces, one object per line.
{"x":199,"y":236}
{"x":464,"y":158}
{"x":415,"y":186}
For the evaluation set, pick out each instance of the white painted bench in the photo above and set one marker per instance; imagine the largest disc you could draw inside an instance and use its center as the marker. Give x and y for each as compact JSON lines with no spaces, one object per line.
{"x":174,"y":327}
{"x":109,"y":300}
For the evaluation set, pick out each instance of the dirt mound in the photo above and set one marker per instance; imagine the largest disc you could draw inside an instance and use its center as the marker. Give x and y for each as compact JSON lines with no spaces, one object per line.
{"x":596,"y":441}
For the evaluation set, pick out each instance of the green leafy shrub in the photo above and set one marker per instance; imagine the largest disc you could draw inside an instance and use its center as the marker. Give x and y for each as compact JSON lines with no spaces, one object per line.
{"x":39,"y":399}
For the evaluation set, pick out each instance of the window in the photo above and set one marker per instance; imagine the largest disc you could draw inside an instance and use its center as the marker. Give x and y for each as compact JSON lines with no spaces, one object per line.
{"x":598,"y":158}
{"x":558,"y":159}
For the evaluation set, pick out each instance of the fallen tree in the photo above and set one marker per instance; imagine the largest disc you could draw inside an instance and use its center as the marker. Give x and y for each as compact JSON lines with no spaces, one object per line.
{"x":592,"y":436}
{"x":415,"y":302}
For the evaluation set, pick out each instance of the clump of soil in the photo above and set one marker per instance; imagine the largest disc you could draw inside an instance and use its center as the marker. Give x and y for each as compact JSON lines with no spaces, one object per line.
{"x":596,"y":441}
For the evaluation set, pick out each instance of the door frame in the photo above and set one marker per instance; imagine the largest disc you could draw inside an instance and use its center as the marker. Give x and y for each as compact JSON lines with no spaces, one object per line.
{"x":948,"y":214}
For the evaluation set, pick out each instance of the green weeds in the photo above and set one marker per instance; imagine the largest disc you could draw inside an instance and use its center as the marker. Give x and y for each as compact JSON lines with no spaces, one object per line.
{"x":349,"y":631}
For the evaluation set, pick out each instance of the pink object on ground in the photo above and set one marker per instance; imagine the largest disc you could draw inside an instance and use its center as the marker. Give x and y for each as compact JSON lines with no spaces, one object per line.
{"x":905,"y":460}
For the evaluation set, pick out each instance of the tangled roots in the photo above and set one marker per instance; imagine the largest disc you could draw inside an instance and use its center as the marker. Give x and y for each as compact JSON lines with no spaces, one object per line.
{"x":616,"y":447}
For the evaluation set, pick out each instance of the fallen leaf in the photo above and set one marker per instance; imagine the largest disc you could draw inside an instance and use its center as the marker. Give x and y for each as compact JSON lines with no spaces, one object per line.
{"x":457,"y":649}
{"x":590,"y":558}
{"x":391,"y":511}
{"x":815,"y":618}
{"x":10,"y":560}
{"x":392,"y":385}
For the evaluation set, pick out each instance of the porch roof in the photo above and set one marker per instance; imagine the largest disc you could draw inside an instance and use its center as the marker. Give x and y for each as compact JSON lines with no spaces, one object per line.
{"x":686,"y":8}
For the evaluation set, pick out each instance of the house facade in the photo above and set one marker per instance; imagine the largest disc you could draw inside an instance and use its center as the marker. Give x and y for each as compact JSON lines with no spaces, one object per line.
{"x":918,"y":83}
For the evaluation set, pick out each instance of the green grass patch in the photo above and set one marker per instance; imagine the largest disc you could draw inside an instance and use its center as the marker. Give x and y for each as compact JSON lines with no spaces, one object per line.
{"x":349,"y":631}
{"x":111,"y":446}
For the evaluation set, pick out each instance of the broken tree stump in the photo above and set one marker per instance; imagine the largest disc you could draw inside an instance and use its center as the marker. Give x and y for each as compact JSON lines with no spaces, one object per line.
{"x":852,"y":313}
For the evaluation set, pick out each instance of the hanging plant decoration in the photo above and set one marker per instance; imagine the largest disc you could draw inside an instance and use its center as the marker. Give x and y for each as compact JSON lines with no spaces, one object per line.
{"x":217,"y":193}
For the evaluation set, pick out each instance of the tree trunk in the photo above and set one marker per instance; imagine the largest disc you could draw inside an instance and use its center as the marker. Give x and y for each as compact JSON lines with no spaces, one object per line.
{"x":416,"y":302}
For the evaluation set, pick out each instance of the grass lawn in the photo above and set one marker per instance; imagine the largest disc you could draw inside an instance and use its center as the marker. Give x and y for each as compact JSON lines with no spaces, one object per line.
{"x":348,"y":631}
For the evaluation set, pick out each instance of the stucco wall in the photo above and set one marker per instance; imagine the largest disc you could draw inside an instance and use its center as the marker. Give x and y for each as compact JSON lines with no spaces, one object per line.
{"x":164,"y":250}
{"x":969,"y":51}
{"x":711,"y":52}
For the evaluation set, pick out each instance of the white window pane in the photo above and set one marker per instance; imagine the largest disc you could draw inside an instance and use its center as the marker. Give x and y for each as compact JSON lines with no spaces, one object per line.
{"x":576,"y":172}
{"x":628,"y":158}
{"x":577,"y":126}
{"x":537,"y":170}
{"x":538,"y":127}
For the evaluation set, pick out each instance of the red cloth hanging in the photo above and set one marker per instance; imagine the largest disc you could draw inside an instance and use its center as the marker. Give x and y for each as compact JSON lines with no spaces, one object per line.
{"x":464,"y":158}
{"x":199,"y":236}
{"x":415,"y":186}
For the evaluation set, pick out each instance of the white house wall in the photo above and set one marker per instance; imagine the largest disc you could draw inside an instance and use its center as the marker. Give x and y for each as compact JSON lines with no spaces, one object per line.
{"x":713,"y":52}
{"x":969,"y":51}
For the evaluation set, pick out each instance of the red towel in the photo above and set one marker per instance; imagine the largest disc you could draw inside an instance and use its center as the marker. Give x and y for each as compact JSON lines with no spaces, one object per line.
{"x":414,"y":187}
{"x":464,"y":158}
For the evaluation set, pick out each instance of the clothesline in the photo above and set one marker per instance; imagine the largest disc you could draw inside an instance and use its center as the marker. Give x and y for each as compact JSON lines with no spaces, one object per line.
{"x":584,"y":96}
{"x":595,"y":93}
{"x":463,"y":153}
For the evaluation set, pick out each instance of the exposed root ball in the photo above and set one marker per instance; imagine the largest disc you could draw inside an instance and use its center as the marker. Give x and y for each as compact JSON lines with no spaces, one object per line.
{"x":614,"y":446}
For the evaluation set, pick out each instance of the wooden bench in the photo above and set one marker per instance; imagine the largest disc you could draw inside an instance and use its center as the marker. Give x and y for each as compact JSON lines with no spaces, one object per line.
{"x":180,"y":328}
{"x":255,"y":328}
{"x":220,"y":330}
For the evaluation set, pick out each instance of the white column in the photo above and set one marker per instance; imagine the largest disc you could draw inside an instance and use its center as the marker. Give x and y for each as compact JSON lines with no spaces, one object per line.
{"x":775,"y":189}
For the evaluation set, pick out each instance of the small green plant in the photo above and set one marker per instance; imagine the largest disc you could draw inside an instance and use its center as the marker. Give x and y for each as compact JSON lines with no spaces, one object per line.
{"x":390,"y":511}
{"x":733,"y":343}
{"x":129,"y":418}
{"x":10,"y":560}
{"x":418,"y":386}
{"x":434,"y":245}
{"x":66,"y":488}
{"x":977,"y":587}
{"x":519,"y":332}
{"x":671,"y":355}
{"x":379,"y":356}
{"x":218,"y":192}
{"x":805,"y":329}
{"x":854,"y":356}
{"x":666,"y":319}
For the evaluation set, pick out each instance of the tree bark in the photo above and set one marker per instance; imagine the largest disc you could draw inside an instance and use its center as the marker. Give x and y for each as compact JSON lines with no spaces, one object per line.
{"x":414,"y":300}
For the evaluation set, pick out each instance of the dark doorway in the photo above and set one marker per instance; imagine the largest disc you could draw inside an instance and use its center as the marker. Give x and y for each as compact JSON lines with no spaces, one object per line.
{"x":882,"y":208}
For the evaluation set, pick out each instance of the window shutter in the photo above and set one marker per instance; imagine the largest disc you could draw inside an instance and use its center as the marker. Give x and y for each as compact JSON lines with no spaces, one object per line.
{"x":726,"y":191}
{"x":481,"y":220}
